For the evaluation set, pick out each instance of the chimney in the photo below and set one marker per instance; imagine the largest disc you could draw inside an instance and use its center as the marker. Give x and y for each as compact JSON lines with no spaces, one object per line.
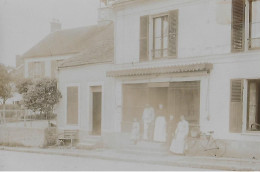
{"x":105,"y":15}
{"x":55,"y":25}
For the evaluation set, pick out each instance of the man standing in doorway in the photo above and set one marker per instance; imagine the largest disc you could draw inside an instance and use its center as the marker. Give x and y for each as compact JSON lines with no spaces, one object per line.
{"x":148,"y":118}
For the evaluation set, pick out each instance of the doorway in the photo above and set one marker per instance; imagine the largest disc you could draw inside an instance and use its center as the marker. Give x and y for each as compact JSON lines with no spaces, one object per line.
{"x":96,"y":110}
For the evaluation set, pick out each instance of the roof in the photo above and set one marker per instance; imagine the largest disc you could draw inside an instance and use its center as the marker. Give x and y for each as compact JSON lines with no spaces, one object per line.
{"x":160,"y":70}
{"x":98,"y":49}
{"x":69,"y":41}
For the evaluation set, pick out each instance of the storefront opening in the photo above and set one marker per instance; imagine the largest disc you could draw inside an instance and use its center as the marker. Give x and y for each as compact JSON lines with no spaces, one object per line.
{"x":177,"y":98}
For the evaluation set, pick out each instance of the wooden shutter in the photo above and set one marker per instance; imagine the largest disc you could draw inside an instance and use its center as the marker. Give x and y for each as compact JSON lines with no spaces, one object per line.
{"x":42,"y":69}
{"x":30,"y":69}
{"x":173,"y":33}
{"x":236,"y":106}
{"x":72,"y":105}
{"x":53,"y":68}
{"x":144,"y":34}
{"x":238,"y":25}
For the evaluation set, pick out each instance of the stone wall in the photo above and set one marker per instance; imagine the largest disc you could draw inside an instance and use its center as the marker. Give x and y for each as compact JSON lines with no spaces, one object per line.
{"x":15,"y":136}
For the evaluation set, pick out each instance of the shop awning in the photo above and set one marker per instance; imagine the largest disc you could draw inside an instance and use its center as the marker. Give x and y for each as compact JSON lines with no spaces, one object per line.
{"x":190,"y":68}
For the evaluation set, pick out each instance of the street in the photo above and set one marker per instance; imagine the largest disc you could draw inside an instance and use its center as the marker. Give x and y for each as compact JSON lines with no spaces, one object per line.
{"x":10,"y":160}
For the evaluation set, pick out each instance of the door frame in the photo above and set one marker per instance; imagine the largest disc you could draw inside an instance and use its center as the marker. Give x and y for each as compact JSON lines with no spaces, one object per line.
{"x":96,"y":89}
{"x":90,"y":116}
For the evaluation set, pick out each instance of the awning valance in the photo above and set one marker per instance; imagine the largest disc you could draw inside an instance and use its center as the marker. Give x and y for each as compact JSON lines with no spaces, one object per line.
{"x":201,"y":67}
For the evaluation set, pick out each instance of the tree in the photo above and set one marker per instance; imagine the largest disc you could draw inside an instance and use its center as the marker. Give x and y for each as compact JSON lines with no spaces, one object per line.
{"x":5,"y":87}
{"x":23,"y":85}
{"x":41,"y":96}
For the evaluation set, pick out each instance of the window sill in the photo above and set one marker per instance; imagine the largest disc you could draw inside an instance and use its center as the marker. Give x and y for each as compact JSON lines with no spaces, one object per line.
{"x":163,"y":58}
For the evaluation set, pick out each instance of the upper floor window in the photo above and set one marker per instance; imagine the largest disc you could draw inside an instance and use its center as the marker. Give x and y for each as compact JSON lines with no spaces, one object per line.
{"x":254,"y":24}
{"x":160,"y":36}
{"x":239,"y":23}
{"x":163,"y":40}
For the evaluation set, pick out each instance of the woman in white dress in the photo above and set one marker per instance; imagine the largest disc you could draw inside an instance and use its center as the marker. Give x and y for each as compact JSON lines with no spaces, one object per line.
{"x":160,"y":127}
{"x":179,"y":141}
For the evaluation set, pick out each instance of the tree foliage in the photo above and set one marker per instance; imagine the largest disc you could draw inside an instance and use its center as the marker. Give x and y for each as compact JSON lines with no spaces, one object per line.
{"x":5,"y":84}
{"x":42,"y":95}
{"x":23,"y":85}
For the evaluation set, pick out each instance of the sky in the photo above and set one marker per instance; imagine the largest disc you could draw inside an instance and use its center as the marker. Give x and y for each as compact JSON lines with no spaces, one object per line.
{"x":23,"y":23}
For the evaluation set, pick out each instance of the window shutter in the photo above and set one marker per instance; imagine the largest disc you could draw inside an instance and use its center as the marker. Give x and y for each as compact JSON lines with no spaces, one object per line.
{"x":144,"y":33}
{"x":53,"y":68}
{"x":173,"y":33}
{"x":30,"y":69}
{"x":42,"y":69}
{"x":72,"y":105}
{"x":238,"y":25}
{"x":236,"y":106}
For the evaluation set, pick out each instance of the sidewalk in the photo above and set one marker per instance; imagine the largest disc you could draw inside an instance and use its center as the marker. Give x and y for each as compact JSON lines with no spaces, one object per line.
{"x":170,"y":160}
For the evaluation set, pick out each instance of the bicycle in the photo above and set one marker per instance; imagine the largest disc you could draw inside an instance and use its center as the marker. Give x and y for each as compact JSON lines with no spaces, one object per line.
{"x":205,"y":144}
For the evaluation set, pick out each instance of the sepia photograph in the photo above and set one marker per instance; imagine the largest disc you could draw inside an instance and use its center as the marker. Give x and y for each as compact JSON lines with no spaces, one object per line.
{"x":129,"y":85}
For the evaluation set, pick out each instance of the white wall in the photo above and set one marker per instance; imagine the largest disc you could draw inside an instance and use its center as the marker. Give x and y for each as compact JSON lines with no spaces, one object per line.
{"x":239,"y":66}
{"x":204,"y":27}
{"x":85,"y":77}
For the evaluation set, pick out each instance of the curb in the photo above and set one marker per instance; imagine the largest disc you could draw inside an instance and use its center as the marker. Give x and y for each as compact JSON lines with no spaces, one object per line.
{"x":124,"y":159}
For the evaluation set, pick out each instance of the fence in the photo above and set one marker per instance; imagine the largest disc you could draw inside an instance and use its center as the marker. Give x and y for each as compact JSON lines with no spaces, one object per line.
{"x":25,"y":118}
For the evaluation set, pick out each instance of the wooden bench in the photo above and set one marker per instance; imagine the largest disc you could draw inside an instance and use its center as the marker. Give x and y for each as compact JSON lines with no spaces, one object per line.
{"x":68,"y":135}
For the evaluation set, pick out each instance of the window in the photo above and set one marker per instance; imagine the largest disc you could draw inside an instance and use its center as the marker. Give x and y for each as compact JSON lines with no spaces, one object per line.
{"x":254,"y":24}
{"x":36,"y":69}
{"x":72,"y":105}
{"x":253,"y":105}
{"x":160,"y":36}
{"x":163,"y":39}
{"x":238,"y":24}
{"x":236,"y":106}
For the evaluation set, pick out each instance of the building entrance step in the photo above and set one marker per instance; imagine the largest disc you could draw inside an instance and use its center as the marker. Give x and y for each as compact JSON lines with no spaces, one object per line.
{"x":90,"y":142}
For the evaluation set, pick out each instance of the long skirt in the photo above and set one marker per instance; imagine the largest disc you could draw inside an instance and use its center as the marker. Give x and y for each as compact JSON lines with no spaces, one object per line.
{"x":178,"y":144}
{"x":160,"y":130}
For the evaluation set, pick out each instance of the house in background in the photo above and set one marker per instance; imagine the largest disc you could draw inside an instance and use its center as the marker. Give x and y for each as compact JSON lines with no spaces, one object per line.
{"x":198,"y":58}
{"x":43,"y":58}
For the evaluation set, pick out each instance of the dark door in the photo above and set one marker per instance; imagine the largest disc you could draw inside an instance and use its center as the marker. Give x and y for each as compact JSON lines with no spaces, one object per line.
{"x":97,"y":100}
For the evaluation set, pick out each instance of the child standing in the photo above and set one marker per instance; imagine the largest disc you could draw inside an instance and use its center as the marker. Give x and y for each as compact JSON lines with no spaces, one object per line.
{"x":135,"y":131}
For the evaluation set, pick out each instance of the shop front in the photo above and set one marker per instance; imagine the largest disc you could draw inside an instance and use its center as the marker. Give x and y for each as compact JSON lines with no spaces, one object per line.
{"x":168,"y":93}
{"x":169,"y":100}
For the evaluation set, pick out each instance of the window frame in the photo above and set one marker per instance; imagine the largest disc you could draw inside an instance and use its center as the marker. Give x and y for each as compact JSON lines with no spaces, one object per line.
{"x":247,"y":90}
{"x":250,"y":17}
{"x":151,"y":35}
{"x":245,"y":107}
{"x":165,"y":15}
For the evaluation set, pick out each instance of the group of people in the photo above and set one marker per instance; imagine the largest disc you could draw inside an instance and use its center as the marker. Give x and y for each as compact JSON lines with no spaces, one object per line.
{"x":156,"y":128}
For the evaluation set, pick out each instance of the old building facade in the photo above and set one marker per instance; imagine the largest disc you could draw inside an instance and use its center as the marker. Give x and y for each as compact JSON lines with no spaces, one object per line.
{"x":198,"y":58}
